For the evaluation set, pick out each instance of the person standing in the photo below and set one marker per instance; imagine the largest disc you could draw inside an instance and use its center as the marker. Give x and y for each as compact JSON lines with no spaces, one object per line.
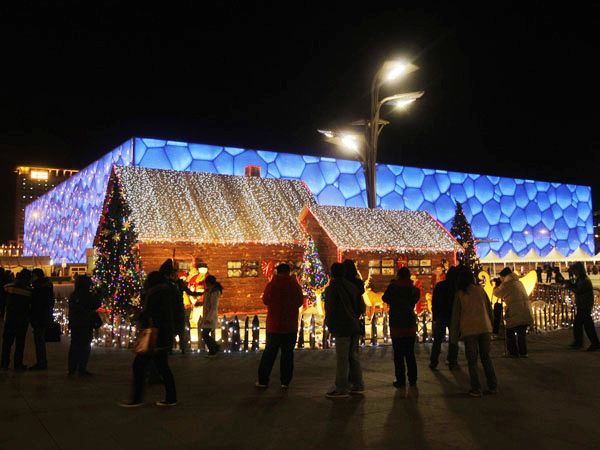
{"x":441,"y":306}
{"x":18,"y":304}
{"x":343,"y":307}
{"x":402,"y":297}
{"x":158,"y":313}
{"x":472,"y":322}
{"x":351,"y":274}
{"x":283,"y":297}
{"x":549,"y":271}
{"x":584,"y":302}
{"x":209,"y":321}
{"x":538,"y":271}
{"x":42,"y":308}
{"x":518,"y":312}
{"x":83,"y":304}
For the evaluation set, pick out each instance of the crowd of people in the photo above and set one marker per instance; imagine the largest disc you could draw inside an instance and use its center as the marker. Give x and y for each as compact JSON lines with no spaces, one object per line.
{"x":460,"y":307}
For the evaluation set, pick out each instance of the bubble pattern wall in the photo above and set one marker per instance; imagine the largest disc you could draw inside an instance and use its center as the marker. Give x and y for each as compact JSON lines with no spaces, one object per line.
{"x":62,"y":223}
{"x":507,"y":213}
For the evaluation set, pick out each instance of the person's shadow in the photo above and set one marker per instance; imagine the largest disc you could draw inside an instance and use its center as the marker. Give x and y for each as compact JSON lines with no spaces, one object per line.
{"x":344,"y":424}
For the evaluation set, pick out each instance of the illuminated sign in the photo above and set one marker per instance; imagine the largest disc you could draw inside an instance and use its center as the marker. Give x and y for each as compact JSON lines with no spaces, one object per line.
{"x":39,"y":175}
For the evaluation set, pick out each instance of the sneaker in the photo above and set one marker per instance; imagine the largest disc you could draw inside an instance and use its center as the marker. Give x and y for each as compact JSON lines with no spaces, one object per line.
{"x":475,"y":393}
{"x":130,"y":404}
{"x":491,"y":391}
{"x":284,"y":386}
{"x":593,"y":348}
{"x":357,"y":391}
{"x":38,"y":367}
{"x":337,"y":394}
{"x":399,"y":385}
{"x":165,"y":403}
{"x":413,"y":391}
{"x":261,"y":386}
{"x":524,"y":356}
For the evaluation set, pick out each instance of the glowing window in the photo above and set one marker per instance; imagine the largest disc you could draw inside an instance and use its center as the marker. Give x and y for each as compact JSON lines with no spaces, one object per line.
{"x":39,"y":175}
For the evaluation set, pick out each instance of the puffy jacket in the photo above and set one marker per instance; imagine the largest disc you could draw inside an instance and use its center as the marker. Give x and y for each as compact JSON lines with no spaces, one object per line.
{"x":343,"y":307}
{"x":402,"y":297}
{"x":518,"y":307}
{"x":42,"y":303}
{"x":442,"y":301}
{"x":471,"y":313}
{"x":283,"y":296}
{"x":584,"y":293}
{"x":211,"y":307}
{"x":82,"y":308}
{"x":158,"y":313}
{"x":18,"y":304}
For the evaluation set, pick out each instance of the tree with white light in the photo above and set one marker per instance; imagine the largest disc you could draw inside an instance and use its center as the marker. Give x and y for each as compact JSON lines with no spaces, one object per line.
{"x":314,"y":277}
{"x":462,"y":232}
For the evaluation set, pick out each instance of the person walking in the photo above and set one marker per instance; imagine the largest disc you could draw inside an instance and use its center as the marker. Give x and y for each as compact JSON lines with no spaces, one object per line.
{"x":343,"y":307}
{"x":402,"y":296}
{"x":42,"y":309}
{"x":584,"y":302}
{"x":441,"y":308}
{"x":472,"y":322}
{"x":283,"y":297}
{"x":157,"y":313}
{"x":518,"y":314}
{"x":18,"y":304}
{"x":83,"y":304}
{"x":209,"y":321}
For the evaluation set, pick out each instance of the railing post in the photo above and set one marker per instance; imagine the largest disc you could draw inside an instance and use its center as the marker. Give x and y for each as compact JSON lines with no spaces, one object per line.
{"x":301,"y":333}
{"x":255,"y":333}
{"x":363,"y":326}
{"x":374,"y":330}
{"x":235,"y":338}
{"x":424,"y":317}
{"x":325,"y":336}
{"x":312,"y":330}
{"x":246,"y":333}
{"x":386,"y":334}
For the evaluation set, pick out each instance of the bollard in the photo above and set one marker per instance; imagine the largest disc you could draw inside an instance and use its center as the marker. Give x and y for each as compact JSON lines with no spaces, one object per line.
{"x":301,"y":333}
{"x":374,"y":330}
{"x":255,"y":333}
{"x":246,"y":330}
{"x":311,"y":331}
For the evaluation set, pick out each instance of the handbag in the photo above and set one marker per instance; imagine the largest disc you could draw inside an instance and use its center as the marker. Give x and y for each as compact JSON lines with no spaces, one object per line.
{"x":146,"y":341}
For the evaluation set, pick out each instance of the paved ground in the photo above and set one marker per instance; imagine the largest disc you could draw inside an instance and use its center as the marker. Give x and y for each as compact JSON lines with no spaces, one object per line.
{"x":549,"y":401}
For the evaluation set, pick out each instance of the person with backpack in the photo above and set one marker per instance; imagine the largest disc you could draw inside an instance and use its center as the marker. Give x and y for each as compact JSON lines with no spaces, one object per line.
{"x":283,"y":298}
{"x":402,"y":296}
{"x":343,"y":308}
{"x":472,"y":322}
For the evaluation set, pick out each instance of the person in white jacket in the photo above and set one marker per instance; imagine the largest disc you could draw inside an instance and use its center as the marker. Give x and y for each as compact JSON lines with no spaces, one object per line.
{"x":472,"y":322}
{"x":518,"y":312}
{"x":210,"y":314}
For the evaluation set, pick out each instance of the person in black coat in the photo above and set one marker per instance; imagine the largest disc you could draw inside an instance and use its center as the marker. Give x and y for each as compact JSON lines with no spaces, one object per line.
{"x":18,"y":304}
{"x":402,"y":296}
{"x":83,"y":304}
{"x":42,"y":307}
{"x":157,"y":313}
{"x":539,"y":272}
{"x":441,"y":306}
{"x":351,"y":274}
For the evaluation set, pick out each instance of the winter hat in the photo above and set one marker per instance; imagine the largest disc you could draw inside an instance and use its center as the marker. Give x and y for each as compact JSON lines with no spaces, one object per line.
{"x":506,"y":271}
{"x":167,"y":267}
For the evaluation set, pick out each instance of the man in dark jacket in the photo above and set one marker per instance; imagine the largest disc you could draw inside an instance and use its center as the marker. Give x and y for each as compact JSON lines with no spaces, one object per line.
{"x":343,"y":307}
{"x":441,"y":305}
{"x":584,"y":301}
{"x":42,"y":307}
{"x":18,"y":303}
{"x":283,"y":296}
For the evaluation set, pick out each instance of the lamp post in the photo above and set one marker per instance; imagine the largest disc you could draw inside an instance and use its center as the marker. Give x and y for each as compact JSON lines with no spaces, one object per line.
{"x":389,"y":71}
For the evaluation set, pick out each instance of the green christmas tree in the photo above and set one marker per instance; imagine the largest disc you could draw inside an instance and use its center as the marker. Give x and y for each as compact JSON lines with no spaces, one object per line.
{"x":314,"y":277}
{"x":461,"y":230}
{"x":117,"y":275}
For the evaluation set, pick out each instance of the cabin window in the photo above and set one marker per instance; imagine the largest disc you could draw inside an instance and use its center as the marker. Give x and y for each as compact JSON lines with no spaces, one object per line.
{"x":238,"y":269}
{"x":381,"y":267}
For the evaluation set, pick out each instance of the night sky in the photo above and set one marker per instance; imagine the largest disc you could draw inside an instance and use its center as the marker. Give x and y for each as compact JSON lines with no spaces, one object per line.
{"x":509,"y":91}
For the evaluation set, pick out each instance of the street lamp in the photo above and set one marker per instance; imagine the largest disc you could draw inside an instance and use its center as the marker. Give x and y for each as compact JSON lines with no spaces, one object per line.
{"x":389,"y":71}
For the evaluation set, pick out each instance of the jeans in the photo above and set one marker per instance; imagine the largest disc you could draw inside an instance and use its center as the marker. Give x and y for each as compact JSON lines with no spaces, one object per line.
{"x":39,"y":338}
{"x":79,"y":351}
{"x":210,"y":342}
{"x":348,"y":371}
{"x":404,"y":350}
{"x":161,"y":362}
{"x":439,"y":335}
{"x":9,"y":337}
{"x":480,"y":344}
{"x":516,"y":344}
{"x":583,"y":319}
{"x":276,"y":341}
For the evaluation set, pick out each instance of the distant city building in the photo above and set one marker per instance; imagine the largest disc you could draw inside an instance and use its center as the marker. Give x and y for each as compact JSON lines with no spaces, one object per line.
{"x":32,"y":183}
{"x":11,"y":248}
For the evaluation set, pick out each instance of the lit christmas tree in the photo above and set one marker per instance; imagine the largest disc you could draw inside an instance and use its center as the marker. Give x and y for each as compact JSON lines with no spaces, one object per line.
{"x":117,"y":275}
{"x":314,"y":277}
{"x":461,"y":230}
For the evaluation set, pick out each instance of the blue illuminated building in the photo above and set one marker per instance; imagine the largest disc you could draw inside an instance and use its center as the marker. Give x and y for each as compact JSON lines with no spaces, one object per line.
{"x":508,"y":213}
